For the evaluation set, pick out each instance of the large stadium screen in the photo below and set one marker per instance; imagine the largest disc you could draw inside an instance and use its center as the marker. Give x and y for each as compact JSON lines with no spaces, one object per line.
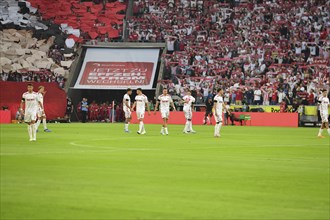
{"x":107,"y":68}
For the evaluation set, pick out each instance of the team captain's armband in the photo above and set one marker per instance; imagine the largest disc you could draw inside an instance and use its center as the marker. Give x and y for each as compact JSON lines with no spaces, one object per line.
{"x":23,"y":99}
{"x":127,"y":99}
{"x":215,"y":101}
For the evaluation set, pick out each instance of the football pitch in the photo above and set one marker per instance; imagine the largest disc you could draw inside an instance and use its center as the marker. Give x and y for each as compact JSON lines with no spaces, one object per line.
{"x":96,"y":171}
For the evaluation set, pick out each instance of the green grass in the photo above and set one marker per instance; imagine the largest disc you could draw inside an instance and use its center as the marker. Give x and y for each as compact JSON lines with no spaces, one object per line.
{"x":96,"y":171}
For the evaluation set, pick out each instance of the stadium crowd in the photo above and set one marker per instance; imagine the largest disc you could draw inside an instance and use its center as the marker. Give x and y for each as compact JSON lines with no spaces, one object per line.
{"x":264,"y":52}
{"x":34,"y":76}
{"x":39,"y":39}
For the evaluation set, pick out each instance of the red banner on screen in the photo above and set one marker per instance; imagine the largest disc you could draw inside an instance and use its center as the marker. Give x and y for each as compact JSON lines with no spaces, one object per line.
{"x":134,"y":74}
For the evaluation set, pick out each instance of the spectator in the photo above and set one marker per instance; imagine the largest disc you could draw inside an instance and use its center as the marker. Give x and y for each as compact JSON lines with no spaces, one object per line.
{"x":311,"y":98}
{"x":226,"y":97}
{"x":283,"y":107}
{"x":239,"y":96}
{"x":273,"y":97}
{"x":69,"y":109}
{"x":208,"y":111}
{"x":281,"y":96}
{"x":249,"y":96}
{"x":257,"y":97}
{"x":84,"y":110}
{"x":227,"y":112}
{"x":233,"y":97}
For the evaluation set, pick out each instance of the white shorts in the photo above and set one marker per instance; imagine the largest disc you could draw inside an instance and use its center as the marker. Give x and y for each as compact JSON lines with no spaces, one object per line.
{"x":218,"y":118}
{"x":187,"y":113}
{"x":128,"y":113}
{"x":30,"y":116}
{"x":41,"y":114}
{"x":140,"y":114}
{"x":324,"y":116}
{"x":165,"y":114}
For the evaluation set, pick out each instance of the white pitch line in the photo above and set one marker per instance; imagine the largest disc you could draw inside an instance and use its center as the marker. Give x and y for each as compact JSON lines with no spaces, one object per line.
{"x":220,"y":146}
{"x":89,"y":146}
{"x":108,"y":149}
{"x":45,"y":153}
{"x":294,"y":145}
{"x":113,"y":148}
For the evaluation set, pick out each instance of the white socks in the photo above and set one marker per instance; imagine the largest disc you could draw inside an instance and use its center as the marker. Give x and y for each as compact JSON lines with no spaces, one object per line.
{"x":220,"y":124}
{"x":126,"y":126}
{"x":141,"y":127}
{"x":190,"y":126}
{"x":44,"y":123}
{"x":186,"y":127}
{"x":217,"y":128}
{"x":321,"y":130}
{"x":37,"y":124}
{"x":32,"y":132}
{"x":164,"y":131}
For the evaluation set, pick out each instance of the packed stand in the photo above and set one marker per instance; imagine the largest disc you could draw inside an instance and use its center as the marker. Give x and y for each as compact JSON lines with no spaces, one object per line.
{"x":85,"y":20}
{"x":39,"y":38}
{"x":25,"y":58}
{"x":263,"y":52}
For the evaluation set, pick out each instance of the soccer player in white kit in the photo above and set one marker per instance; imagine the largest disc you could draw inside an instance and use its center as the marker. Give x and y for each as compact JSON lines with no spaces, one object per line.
{"x":324,"y":105}
{"x":41,"y":114}
{"x":141,"y":101}
{"x":218,"y":106}
{"x":31,"y":101}
{"x":188,"y":102}
{"x":164,"y":100}
{"x":127,"y":108}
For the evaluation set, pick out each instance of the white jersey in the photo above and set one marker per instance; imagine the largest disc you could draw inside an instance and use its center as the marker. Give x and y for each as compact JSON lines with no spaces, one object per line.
{"x":219,"y":104}
{"x":127,"y":99}
{"x":41,"y":97}
{"x":188,"y":100}
{"x":31,"y":101}
{"x":141,"y":101}
{"x":324,"y":104}
{"x":165,"y":102}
